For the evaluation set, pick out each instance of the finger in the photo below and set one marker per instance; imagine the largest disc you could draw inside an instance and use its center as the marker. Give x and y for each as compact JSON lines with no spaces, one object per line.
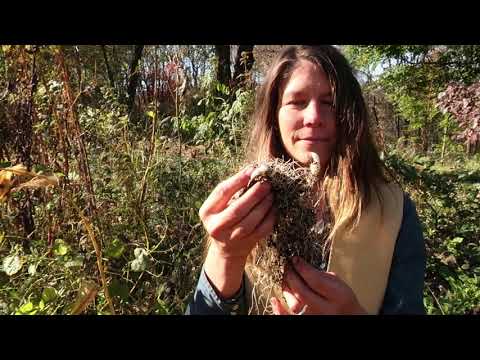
{"x":326,"y":284}
{"x":265,"y":228}
{"x":220,"y":196}
{"x":254,"y":219}
{"x":293,"y":303}
{"x":243,"y":205}
{"x":237,"y":211}
{"x":304,"y":293}
{"x":278,"y":308}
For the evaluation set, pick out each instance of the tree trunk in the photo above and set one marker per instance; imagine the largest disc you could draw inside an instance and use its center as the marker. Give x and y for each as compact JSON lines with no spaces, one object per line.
{"x":243,"y":63}
{"x":107,"y":65}
{"x":133,"y":77}
{"x":223,"y":64}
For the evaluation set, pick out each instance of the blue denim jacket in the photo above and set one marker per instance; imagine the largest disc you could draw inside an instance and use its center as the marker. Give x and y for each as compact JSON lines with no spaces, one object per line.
{"x":404,"y":293}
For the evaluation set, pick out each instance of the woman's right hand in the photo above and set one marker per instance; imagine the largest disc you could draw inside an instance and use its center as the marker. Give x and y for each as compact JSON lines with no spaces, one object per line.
{"x":236,"y":226}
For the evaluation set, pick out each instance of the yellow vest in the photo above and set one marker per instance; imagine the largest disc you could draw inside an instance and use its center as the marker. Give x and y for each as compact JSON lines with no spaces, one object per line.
{"x":361,"y":258}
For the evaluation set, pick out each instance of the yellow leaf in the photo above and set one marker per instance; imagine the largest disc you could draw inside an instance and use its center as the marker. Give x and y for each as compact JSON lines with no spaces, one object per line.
{"x":6,"y":184}
{"x":18,"y":169}
{"x":39,"y":181}
{"x":36,"y":181}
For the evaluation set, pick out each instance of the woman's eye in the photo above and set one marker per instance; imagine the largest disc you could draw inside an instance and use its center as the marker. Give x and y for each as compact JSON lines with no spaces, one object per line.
{"x":327,"y":103}
{"x":297,"y":102}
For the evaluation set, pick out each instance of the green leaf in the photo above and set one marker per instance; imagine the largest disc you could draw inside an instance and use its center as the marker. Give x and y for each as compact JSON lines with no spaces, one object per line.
{"x":60,"y":248}
{"x":162,"y":308}
{"x":457,"y":240}
{"x":38,"y":168}
{"x":26,"y":309}
{"x":49,"y":294}
{"x":12,"y":264}
{"x":119,"y":289}
{"x":14,"y":294}
{"x":115,"y":249}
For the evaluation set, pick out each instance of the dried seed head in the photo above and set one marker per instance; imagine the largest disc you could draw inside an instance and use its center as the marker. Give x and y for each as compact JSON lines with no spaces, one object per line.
{"x":262,"y":170}
{"x":315,"y":168}
{"x":315,"y":157}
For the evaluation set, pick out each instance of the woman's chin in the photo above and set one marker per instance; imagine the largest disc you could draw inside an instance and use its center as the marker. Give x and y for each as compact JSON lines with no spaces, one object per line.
{"x":305,"y":154}
{"x":305,"y":158}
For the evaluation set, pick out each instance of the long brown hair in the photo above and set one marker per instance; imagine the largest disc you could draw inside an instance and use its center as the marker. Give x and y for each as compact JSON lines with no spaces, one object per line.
{"x":355,"y":169}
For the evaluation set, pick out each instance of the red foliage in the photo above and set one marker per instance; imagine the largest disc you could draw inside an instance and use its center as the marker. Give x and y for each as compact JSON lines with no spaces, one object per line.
{"x":168,"y":77}
{"x":463,"y":102}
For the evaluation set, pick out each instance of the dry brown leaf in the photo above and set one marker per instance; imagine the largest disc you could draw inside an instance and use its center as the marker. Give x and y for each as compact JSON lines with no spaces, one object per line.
{"x":87,"y":292}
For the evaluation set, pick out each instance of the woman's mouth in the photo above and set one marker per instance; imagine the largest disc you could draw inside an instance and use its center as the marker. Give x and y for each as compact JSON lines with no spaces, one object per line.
{"x":313,"y":140}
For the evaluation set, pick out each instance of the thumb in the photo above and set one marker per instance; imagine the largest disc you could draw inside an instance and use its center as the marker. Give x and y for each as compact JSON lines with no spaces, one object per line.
{"x":277,"y":307}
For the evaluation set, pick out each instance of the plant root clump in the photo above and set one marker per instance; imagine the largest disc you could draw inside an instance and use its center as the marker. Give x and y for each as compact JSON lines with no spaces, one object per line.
{"x":302,"y":225}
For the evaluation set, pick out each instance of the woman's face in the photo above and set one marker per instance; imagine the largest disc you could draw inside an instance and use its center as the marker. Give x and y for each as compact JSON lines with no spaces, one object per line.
{"x":306,"y":116}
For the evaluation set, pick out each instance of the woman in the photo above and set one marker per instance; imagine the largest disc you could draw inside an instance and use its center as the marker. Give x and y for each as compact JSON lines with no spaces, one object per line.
{"x":310,"y":102}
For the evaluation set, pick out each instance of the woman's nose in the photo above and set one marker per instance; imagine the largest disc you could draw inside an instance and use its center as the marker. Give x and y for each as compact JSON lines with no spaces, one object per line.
{"x":312,"y":115}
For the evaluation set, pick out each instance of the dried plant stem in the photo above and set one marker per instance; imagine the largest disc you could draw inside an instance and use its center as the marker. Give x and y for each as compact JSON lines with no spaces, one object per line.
{"x":84,"y":299}
{"x":436,"y":300}
{"x":84,"y":168}
{"x":98,"y":253}
{"x":153,"y":143}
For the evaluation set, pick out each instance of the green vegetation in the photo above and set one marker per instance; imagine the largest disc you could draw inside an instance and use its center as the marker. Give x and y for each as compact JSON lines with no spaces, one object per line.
{"x":121,"y":234}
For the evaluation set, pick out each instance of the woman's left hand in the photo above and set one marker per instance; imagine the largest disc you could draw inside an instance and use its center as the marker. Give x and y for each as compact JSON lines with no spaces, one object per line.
{"x":321,"y":292}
